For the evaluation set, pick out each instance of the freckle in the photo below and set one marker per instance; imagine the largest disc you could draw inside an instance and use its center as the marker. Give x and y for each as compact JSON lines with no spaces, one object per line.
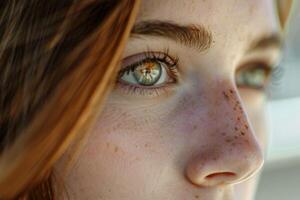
{"x":107,"y":144}
{"x":228,"y":140}
{"x":242,"y":133}
{"x":223,"y":134}
{"x":116,"y":149}
{"x":231,"y":91}
{"x":246,"y":127}
{"x":235,"y":137}
{"x":226,"y":96}
{"x":238,"y":118}
{"x":233,"y":144}
{"x":196,"y":196}
{"x":194,"y":127}
{"x":236,"y":128}
{"x":146,"y":145}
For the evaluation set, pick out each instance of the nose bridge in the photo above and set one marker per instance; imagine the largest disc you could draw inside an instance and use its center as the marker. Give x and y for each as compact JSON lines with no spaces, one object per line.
{"x":234,"y":153}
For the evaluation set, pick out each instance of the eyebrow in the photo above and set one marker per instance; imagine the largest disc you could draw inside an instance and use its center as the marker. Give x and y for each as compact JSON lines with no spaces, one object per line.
{"x":273,"y":40}
{"x":194,"y":36}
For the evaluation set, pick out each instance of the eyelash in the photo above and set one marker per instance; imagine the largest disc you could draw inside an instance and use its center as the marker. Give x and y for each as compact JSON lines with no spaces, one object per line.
{"x":149,"y":55}
{"x":277,"y":75}
{"x":274,"y":74}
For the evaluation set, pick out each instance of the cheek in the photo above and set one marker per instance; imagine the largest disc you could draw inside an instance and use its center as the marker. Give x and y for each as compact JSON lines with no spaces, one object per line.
{"x":122,"y":150}
{"x":128,"y":132}
{"x":138,"y":138}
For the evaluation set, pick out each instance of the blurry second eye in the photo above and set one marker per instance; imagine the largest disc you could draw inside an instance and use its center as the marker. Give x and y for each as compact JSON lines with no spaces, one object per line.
{"x":255,"y":77}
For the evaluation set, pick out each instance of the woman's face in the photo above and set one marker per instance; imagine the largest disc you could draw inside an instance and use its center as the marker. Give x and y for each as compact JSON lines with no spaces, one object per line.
{"x":186,"y":118}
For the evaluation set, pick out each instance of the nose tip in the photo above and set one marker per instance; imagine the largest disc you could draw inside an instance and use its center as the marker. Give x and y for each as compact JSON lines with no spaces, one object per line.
{"x":218,"y":178}
{"x":221,"y":174}
{"x":223,"y":171}
{"x":211,"y":178}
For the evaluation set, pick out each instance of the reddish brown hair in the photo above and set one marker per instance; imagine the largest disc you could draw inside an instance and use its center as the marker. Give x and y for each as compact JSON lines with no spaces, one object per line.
{"x":58,"y":60}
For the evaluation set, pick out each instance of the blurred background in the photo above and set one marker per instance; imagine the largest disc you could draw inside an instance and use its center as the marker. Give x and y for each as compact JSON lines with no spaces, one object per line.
{"x":280,"y":178}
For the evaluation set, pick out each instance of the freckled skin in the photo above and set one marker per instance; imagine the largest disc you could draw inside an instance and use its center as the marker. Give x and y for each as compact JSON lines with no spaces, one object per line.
{"x":207,"y":132}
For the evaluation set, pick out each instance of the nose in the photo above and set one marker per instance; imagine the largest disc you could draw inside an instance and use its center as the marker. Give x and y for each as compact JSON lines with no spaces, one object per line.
{"x":233,"y":154}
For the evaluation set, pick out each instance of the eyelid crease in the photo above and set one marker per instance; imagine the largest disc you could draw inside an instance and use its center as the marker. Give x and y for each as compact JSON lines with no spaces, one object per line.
{"x":273,"y":40}
{"x":148,"y":53}
{"x":139,"y":58}
{"x":254,"y":64}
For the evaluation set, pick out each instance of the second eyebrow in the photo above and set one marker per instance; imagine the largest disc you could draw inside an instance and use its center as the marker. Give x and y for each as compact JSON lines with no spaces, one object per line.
{"x":192,"y":36}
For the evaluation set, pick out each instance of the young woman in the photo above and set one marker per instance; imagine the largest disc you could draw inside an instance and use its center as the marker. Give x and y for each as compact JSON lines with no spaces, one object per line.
{"x":181,"y":86}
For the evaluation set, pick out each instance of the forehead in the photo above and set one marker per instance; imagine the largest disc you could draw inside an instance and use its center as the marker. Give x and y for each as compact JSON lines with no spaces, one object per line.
{"x":232,"y":21}
{"x":235,"y":26}
{"x":193,"y":11}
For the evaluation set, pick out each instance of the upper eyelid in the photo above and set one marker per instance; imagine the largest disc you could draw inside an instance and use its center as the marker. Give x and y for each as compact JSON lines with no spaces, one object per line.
{"x":269,"y":57}
{"x":266,"y":59}
{"x":132,"y":59}
{"x":252,"y":64}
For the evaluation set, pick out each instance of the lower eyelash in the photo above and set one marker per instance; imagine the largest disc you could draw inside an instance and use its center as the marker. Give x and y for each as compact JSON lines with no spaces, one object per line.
{"x":148,"y":92}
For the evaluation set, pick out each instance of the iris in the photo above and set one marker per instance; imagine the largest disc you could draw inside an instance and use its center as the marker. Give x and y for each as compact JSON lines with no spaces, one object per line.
{"x":148,"y":73}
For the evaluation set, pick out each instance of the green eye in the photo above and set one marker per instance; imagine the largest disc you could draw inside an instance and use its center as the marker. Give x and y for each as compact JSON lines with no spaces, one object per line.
{"x":150,"y":73}
{"x":147,"y":73}
{"x":255,"y":76}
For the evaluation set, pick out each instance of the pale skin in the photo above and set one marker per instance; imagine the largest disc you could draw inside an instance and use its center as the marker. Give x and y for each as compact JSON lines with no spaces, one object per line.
{"x":203,"y":137}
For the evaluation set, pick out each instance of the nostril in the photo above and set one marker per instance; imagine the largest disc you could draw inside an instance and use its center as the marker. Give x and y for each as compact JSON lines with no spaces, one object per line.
{"x":221,"y":174}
